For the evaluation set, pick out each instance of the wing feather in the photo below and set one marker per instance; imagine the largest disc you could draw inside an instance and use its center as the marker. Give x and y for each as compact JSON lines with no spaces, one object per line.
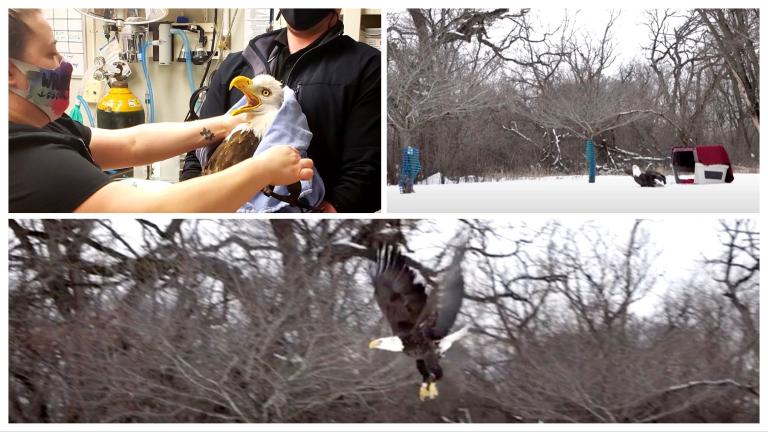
{"x":444,"y":303}
{"x":237,"y":147}
{"x":400,"y":298}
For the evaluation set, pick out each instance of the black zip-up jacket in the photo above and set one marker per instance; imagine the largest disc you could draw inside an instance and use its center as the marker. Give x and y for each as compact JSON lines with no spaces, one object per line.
{"x":338,"y":85}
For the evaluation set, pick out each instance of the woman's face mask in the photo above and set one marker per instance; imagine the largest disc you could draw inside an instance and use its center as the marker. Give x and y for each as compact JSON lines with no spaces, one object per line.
{"x":48,"y":88}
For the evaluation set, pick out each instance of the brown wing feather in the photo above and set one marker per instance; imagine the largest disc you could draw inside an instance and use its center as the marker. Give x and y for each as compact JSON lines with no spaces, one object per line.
{"x":238,"y":147}
{"x":399,"y":297}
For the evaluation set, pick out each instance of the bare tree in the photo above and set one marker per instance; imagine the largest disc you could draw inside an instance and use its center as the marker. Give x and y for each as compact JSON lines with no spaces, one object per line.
{"x":442,"y":65}
{"x":738,"y":270}
{"x":735,"y":34}
{"x":490,"y":94}
{"x":268,"y":321}
{"x":589,"y":358}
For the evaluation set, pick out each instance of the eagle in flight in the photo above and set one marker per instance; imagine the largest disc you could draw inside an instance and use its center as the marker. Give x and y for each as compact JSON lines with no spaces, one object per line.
{"x":420,"y":321}
{"x":264,"y":96}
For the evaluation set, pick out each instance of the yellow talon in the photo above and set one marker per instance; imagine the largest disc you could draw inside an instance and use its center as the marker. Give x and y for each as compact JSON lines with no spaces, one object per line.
{"x":423,"y":392}
{"x":427,"y":391}
{"x":432,"y":388}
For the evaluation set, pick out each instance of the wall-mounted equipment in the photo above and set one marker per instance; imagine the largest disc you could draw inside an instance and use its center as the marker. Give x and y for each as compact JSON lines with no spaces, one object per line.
{"x":128,"y":25}
{"x":164,"y":44}
{"x":127,"y":15}
{"x":169,"y":49}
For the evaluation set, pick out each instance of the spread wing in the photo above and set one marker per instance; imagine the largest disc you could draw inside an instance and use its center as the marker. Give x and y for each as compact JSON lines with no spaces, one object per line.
{"x":238,"y":146}
{"x":400,"y":298}
{"x":444,"y":303}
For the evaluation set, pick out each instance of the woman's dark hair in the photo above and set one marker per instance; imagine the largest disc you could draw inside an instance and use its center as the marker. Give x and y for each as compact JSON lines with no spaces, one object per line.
{"x":18,"y":30}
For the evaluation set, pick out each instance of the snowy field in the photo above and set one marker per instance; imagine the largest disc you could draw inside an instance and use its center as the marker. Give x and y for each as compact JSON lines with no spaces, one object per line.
{"x":573,"y":194}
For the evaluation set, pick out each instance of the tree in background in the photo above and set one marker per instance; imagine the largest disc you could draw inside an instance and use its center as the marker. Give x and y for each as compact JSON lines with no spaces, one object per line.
{"x":268,"y":321}
{"x":491,"y":93}
{"x":736,"y":36}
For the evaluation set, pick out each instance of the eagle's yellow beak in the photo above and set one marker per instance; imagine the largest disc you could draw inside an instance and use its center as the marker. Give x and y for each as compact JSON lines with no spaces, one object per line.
{"x":427,"y":391}
{"x":244,"y":84}
{"x":374,"y":344}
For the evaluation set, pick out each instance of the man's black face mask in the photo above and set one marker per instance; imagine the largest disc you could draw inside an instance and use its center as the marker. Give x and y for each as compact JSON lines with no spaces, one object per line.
{"x":304,"y":19}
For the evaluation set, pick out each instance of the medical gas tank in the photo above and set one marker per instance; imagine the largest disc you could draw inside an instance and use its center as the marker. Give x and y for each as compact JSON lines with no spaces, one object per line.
{"x":119,"y":108}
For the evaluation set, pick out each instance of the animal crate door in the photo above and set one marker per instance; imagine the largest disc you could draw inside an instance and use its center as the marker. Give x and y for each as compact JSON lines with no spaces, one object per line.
{"x":707,"y":174}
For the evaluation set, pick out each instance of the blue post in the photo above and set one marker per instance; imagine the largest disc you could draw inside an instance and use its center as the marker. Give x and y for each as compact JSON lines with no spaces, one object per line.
{"x":591,"y":161}
{"x":409,"y":169}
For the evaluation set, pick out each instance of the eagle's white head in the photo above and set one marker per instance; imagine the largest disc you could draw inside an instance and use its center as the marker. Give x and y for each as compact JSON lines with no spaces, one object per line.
{"x":263,"y":93}
{"x":635,"y":171}
{"x":392,"y":343}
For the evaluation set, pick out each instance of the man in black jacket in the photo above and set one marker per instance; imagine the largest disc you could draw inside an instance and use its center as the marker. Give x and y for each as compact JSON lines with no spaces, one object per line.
{"x":338,"y":85}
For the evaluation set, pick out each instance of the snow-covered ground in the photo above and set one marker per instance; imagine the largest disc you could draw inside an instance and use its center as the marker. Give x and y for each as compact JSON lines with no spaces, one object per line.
{"x":574,"y":194}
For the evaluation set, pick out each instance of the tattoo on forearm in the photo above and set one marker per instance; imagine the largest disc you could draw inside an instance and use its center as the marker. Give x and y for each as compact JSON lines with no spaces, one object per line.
{"x":207,"y":134}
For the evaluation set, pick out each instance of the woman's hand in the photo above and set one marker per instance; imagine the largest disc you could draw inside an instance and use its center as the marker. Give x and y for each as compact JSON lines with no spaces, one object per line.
{"x":283,"y":165}
{"x":231,"y":122}
{"x":325,"y":207}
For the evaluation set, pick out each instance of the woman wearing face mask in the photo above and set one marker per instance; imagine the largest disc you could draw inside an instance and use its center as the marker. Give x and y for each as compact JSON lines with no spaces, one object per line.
{"x":56,"y":164}
{"x":338,"y":85}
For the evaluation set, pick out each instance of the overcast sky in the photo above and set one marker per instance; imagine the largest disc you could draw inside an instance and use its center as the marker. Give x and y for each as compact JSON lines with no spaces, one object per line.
{"x":630,"y":33}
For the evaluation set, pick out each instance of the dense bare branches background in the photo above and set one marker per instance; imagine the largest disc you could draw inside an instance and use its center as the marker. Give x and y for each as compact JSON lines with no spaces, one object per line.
{"x":268,"y":321}
{"x":498,"y":93}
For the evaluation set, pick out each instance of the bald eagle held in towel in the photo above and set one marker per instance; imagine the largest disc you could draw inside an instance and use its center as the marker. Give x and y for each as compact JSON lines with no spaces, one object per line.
{"x":420,"y":321}
{"x":264,"y":96}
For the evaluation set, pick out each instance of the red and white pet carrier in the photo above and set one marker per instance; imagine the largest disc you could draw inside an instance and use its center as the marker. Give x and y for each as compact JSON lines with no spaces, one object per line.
{"x":702,"y":164}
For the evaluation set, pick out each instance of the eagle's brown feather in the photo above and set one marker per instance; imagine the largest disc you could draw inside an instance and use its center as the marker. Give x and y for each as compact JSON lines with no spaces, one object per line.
{"x":238,"y":147}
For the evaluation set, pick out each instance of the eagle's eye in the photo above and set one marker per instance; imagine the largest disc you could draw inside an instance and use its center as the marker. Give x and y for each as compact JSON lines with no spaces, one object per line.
{"x":265,"y":92}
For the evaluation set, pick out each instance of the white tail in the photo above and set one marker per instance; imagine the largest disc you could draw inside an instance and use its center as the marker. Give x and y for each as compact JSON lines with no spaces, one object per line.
{"x":446,"y":342}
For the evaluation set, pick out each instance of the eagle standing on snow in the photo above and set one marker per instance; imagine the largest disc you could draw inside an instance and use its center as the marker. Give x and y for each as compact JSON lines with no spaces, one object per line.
{"x":649,"y":178}
{"x":264,"y":96}
{"x":419,"y":321}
